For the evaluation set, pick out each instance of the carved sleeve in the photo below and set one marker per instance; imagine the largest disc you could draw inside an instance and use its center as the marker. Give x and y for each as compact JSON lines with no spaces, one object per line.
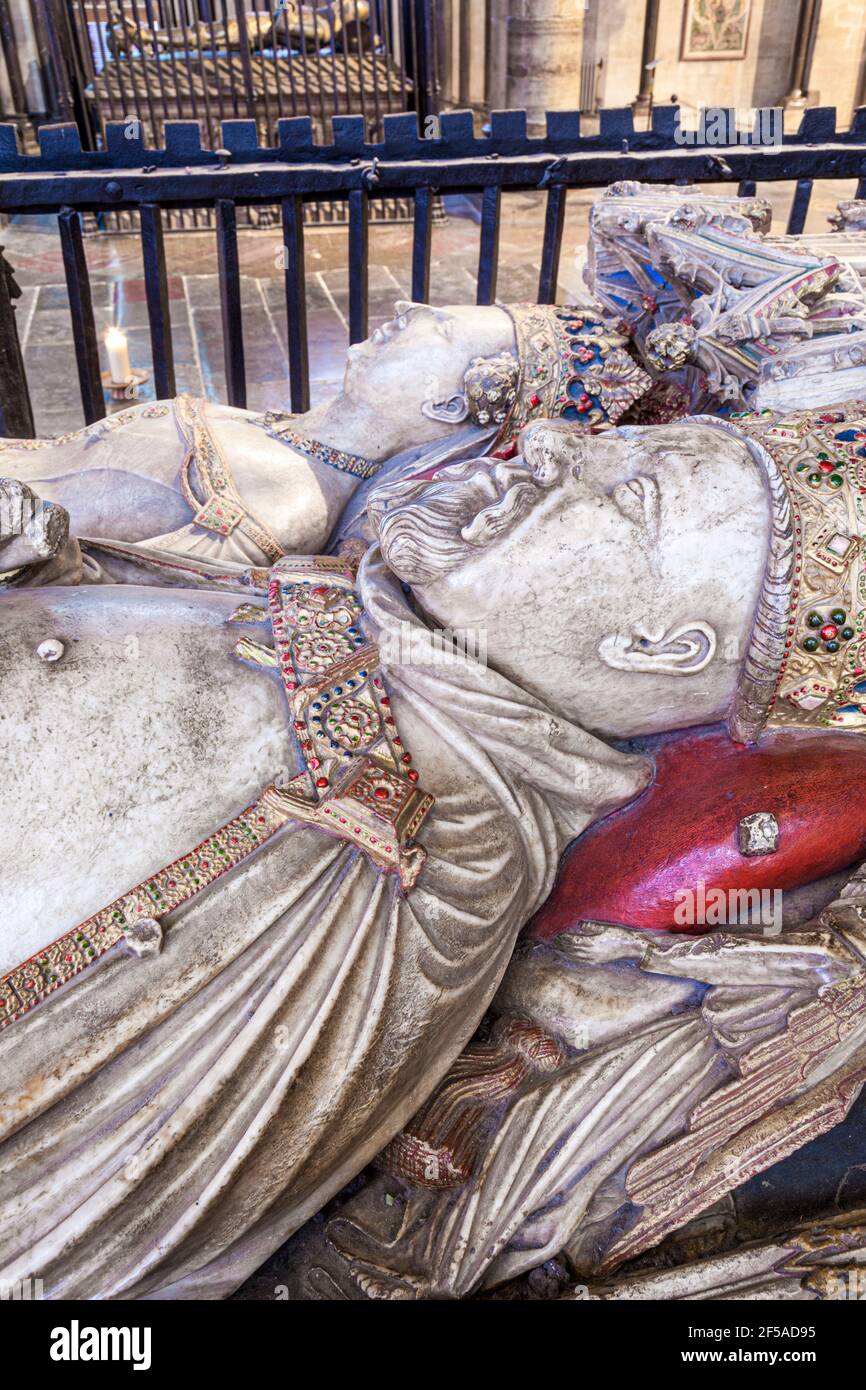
{"x":797,"y":959}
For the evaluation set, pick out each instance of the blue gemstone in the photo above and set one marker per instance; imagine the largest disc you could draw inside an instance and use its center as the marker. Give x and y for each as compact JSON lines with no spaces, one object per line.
{"x":338,"y":690}
{"x":362,"y":673}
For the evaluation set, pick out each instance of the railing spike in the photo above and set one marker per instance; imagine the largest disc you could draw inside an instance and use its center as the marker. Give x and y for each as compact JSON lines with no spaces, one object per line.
{"x":507,"y":128}
{"x":616,"y":123}
{"x":9,"y":149}
{"x":458,"y":131}
{"x":348,"y":133}
{"x":240,"y":137}
{"x":562,"y":126}
{"x":295,"y":135}
{"x":401,"y":135}
{"x":124,"y":142}
{"x":59,"y":141}
{"x":858,"y":122}
{"x":182,"y":138}
{"x":666,"y":121}
{"x":818,"y":123}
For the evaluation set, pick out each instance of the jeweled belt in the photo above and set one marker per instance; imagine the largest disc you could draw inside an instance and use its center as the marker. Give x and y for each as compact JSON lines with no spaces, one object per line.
{"x":222,"y":508}
{"x":357,"y":782}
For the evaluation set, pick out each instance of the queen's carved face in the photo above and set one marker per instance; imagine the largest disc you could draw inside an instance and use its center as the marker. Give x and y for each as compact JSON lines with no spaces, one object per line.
{"x":415,"y":364}
{"x":615,"y":576}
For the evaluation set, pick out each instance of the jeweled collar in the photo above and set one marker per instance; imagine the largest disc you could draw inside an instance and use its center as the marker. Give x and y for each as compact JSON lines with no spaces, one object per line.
{"x":280,"y":425}
{"x":806,"y":664}
{"x":573,"y":365}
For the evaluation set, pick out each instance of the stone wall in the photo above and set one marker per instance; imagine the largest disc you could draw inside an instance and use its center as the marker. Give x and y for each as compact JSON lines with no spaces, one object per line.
{"x":613,"y":32}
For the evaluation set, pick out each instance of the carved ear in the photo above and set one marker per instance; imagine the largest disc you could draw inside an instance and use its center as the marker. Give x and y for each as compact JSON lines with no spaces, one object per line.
{"x":452,"y":411}
{"x":681,"y":651}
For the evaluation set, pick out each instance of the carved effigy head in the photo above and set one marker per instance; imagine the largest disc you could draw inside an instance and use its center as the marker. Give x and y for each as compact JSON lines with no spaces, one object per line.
{"x":498,"y":367}
{"x":614,"y":575}
{"x":655,"y":578}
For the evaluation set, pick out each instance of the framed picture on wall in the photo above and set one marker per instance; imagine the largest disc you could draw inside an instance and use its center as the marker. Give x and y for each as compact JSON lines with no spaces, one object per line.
{"x":715,"y":28}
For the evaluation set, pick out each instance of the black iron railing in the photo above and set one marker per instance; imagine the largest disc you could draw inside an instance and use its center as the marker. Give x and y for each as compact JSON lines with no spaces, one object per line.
{"x":65,"y":180}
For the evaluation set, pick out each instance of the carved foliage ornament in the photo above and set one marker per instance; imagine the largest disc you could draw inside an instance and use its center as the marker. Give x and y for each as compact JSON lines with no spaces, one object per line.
{"x":571,"y":364}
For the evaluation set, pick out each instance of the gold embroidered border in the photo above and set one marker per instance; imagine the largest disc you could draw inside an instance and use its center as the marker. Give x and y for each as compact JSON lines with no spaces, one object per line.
{"x":36,"y":978}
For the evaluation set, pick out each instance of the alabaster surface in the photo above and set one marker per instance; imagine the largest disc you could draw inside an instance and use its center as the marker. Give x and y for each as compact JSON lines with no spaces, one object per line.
{"x":301,"y":715}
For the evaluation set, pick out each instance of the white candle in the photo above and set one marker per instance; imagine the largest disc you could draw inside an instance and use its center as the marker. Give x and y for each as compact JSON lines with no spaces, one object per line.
{"x":118,"y":356}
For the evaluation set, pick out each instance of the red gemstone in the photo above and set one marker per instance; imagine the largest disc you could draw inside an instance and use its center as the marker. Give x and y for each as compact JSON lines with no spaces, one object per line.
{"x":412,"y":775}
{"x":321,"y":781}
{"x":381,"y":793}
{"x":314,"y":763}
{"x":406,"y":758}
{"x":534,"y":400}
{"x":829,"y":631}
{"x":826,"y":467}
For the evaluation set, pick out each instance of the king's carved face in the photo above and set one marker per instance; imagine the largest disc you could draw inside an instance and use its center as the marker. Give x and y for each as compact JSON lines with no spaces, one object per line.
{"x":415,"y":364}
{"x":615,"y":576}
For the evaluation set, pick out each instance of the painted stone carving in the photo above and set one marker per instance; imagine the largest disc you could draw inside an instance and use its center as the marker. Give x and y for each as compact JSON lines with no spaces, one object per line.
{"x":226,"y":486}
{"x":731,"y":314}
{"x":376,"y":815}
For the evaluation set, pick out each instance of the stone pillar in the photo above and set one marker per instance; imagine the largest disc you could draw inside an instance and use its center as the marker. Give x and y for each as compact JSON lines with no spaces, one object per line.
{"x":648,"y":58}
{"x":804,"y":48}
{"x":544,"y":57}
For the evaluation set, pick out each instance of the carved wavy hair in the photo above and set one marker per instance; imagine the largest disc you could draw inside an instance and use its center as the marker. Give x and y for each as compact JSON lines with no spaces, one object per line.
{"x":426,"y":528}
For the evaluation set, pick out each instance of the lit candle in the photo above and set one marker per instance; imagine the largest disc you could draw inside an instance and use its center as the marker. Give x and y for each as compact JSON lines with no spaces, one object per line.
{"x":118,"y":356}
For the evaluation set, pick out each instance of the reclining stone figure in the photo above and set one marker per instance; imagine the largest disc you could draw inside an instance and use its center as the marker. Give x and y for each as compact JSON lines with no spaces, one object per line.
{"x":253,"y":910}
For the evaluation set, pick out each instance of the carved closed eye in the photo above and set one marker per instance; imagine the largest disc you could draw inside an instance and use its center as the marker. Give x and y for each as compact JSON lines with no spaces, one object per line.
{"x":638,"y":500}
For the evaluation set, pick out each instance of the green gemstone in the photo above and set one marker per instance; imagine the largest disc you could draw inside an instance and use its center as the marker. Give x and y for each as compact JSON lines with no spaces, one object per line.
{"x":847,"y":633}
{"x":810,"y":644}
{"x":814,"y":479}
{"x":815,"y":620}
{"x":836,"y":480}
{"x":838,"y":616}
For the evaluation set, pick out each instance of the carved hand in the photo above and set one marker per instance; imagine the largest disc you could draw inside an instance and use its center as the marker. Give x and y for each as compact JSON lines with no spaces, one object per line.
{"x":594,"y":943}
{"x":31,"y":530}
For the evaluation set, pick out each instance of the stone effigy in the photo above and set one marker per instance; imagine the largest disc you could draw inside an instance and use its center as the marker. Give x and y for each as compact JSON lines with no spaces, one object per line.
{"x":287,"y":827}
{"x":197,"y":479}
{"x":604,"y":1112}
